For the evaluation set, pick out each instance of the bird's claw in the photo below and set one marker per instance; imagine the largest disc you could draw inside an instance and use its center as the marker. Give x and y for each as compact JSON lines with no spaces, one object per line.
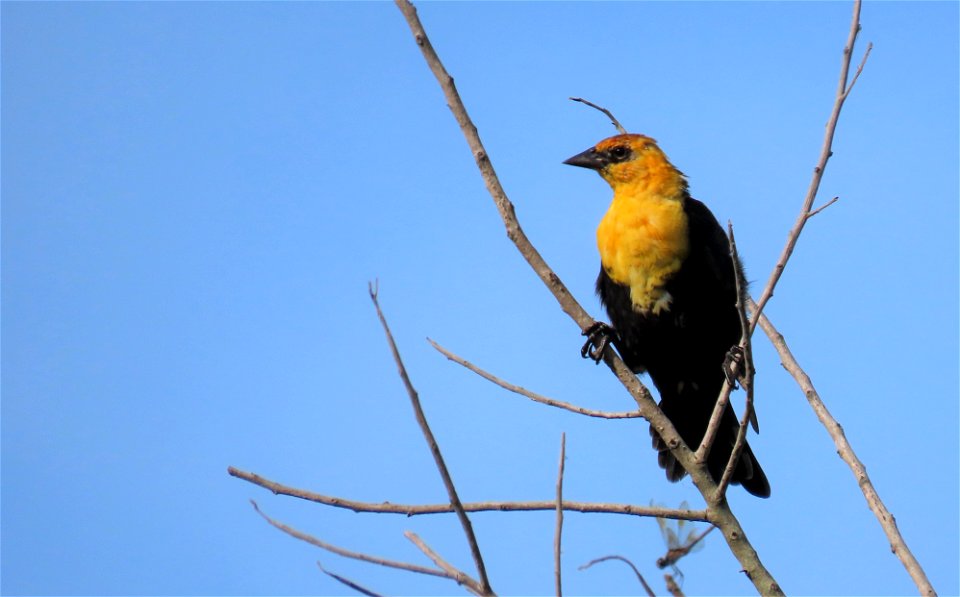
{"x":733,"y":367}
{"x":599,"y":335}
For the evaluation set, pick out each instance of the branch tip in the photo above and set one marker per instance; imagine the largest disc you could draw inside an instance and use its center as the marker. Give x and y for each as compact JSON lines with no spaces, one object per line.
{"x":613,"y":119}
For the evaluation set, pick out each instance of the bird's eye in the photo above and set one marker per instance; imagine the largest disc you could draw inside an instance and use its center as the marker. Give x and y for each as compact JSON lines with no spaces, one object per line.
{"x":620,"y":153}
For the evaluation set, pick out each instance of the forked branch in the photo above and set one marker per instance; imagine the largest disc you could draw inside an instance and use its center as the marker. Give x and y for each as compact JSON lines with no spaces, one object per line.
{"x":484,"y":586}
{"x":460,"y":576}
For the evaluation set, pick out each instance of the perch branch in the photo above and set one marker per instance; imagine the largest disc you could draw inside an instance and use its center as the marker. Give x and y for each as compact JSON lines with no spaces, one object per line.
{"x":706,"y":444}
{"x":748,"y":371}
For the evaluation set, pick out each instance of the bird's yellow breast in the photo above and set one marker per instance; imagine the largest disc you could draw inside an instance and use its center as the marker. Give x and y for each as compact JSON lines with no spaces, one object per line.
{"x":643,"y":241}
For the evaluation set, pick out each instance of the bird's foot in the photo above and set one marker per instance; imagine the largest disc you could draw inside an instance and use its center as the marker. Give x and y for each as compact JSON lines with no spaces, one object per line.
{"x":599,"y":335}
{"x":733,"y":367}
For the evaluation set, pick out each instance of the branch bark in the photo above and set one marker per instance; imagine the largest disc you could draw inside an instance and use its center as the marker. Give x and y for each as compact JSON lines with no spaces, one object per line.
{"x":889,"y":524}
{"x":424,"y":509}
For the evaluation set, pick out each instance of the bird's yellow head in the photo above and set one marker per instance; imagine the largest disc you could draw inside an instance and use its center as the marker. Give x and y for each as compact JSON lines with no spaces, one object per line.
{"x":632,"y":163}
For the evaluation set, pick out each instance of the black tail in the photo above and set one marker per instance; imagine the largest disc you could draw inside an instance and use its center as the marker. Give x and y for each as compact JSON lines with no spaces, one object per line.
{"x":690,"y":411}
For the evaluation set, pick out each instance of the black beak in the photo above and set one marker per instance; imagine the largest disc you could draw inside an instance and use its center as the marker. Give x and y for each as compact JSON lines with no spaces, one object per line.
{"x":590,"y":158}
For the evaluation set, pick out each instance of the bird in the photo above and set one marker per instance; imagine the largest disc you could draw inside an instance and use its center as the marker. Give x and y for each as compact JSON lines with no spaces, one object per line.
{"x":668,"y":284}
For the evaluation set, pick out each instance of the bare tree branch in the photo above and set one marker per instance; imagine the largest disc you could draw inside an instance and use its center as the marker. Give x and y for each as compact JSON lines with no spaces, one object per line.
{"x":710,"y":434}
{"x":889,"y":524}
{"x":843,"y":90}
{"x":806,"y":213}
{"x":720,"y":514}
{"x":435,"y":451}
{"x":459,"y":575}
{"x":646,"y":587}
{"x":347,"y":553}
{"x":532,"y":395}
{"x":349,"y":583}
{"x":419,"y":510}
{"x":559,"y":527}
{"x":748,"y":371}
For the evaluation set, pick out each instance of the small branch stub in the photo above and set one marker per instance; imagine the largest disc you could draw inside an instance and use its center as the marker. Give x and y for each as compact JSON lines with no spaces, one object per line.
{"x":612,"y":118}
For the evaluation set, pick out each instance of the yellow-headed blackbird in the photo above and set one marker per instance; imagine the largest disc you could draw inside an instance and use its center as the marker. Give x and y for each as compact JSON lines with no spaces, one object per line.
{"x":668,"y":284}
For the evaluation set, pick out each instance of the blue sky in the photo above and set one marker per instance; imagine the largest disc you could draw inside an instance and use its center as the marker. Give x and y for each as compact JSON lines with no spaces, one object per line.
{"x":195,"y":196}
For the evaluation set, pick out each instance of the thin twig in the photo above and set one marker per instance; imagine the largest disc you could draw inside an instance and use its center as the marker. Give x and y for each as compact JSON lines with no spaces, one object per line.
{"x":746,"y":343}
{"x":646,"y":587}
{"x":459,"y":575}
{"x":822,"y":207}
{"x":748,"y":371}
{"x":734,"y":454}
{"x":424,"y":509}
{"x":559,"y":527}
{"x":713,"y":425}
{"x":843,"y":90}
{"x":532,"y":395}
{"x":889,"y":524}
{"x":435,"y":451}
{"x":720,"y":514}
{"x":612,"y":118}
{"x":856,"y":75}
{"x":346,"y":581}
{"x":347,"y":553}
